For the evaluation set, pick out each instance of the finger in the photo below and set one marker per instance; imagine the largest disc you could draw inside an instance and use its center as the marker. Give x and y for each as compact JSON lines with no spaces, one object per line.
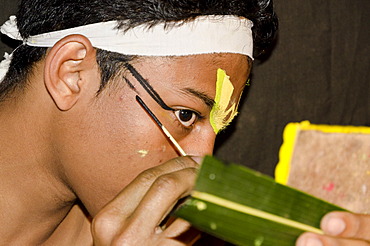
{"x":143,"y":223}
{"x":109,"y":221}
{"x":161,"y":197}
{"x":135,"y":191}
{"x":182,"y":231}
{"x":348,"y":225}
{"x":176,"y":227}
{"x":138,"y":188}
{"x":311,"y":239}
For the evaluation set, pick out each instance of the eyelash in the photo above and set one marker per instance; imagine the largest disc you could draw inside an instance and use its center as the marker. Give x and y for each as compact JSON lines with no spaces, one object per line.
{"x":186,"y":129}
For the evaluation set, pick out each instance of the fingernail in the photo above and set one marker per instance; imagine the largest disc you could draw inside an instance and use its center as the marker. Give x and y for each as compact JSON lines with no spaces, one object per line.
{"x":333,"y":225}
{"x":309,"y":241}
{"x":313,"y":242}
{"x":197,"y":159}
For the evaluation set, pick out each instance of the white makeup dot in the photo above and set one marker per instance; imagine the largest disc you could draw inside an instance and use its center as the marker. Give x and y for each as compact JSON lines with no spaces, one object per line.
{"x":143,"y":153}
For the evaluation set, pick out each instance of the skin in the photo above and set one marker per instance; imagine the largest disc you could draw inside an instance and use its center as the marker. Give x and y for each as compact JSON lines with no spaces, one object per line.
{"x":341,"y":229}
{"x":69,"y":144}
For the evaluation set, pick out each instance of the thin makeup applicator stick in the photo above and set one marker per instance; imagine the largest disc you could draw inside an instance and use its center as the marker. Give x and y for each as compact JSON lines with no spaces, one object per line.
{"x":165,"y":131}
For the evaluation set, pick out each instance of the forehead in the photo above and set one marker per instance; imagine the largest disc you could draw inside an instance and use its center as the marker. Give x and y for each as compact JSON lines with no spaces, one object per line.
{"x":194,"y":71}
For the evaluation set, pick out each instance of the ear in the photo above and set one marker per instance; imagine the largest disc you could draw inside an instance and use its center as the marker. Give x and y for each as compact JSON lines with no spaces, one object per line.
{"x":67,"y":68}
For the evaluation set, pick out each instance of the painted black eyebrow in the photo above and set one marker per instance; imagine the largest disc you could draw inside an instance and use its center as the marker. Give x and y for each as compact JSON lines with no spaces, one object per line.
{"x":202,"y":96}
{"x":145,"y":84}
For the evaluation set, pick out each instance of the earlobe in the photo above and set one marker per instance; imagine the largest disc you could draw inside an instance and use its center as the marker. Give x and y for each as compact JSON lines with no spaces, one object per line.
{"x":66,"y":68}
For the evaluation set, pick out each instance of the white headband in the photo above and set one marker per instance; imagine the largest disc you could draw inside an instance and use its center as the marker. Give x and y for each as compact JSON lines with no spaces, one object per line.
{"x":203,"y":35}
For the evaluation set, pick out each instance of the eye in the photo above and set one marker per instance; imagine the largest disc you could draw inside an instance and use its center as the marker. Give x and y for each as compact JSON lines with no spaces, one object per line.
{"x":186,"y":117}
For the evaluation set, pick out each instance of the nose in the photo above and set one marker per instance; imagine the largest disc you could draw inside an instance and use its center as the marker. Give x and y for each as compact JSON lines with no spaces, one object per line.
{"x":200,"y":144}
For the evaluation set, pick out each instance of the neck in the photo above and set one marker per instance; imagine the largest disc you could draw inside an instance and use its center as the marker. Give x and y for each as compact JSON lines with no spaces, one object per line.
{"x":34,"y":198}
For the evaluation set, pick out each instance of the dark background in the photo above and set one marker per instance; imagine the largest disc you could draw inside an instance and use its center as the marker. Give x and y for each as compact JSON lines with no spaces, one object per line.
{"x":318,"y":71}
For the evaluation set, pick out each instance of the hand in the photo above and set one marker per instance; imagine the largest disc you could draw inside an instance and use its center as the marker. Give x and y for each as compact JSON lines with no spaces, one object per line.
{"x":135,"y":215}
{"x":341,"y":229}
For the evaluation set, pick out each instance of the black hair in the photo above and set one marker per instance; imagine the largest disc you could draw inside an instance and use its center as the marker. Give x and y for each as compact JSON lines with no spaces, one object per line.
{"x":40,"y":16}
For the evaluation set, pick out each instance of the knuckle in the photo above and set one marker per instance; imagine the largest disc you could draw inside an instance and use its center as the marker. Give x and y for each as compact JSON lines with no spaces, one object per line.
{"x":148,"y":176}
{"x":108,"y":230}
{"x":179,"y":180}
{"x":185,"y":162}
{"x":166,"y":182}
{"x":131,"y":236}
{"x":359,"y":226}
{"x":103,"y":226}
{"x":123,"y":239}
{"x":180,"y":163}
{"x":353,"y":225}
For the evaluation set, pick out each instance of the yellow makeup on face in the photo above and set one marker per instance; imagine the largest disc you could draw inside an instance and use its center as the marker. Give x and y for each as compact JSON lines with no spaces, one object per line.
{"x":222,"y":114}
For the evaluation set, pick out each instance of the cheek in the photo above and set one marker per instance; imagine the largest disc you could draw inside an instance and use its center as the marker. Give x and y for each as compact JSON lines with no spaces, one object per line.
{"x":201,"y":141}
{"x":114,"y":144}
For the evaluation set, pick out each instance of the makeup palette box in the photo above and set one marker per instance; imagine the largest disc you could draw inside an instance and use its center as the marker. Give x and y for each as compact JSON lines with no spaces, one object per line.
{"x":329,"y":162}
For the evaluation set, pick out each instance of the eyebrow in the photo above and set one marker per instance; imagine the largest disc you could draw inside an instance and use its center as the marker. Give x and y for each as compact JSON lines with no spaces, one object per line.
{"x":145,"y":84}
{"x":207,"y":100}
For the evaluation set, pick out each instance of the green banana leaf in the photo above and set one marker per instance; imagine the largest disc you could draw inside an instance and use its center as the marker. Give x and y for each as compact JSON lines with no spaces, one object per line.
{"x":245,"y":207}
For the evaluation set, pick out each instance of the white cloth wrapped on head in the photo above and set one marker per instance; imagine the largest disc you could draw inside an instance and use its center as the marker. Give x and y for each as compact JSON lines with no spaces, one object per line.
{"x":202,"y":35}
{"x":4,"y":65}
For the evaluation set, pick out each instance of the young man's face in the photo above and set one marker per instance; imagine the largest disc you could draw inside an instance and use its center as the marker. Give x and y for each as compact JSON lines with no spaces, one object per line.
{"x":113,"y":139}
